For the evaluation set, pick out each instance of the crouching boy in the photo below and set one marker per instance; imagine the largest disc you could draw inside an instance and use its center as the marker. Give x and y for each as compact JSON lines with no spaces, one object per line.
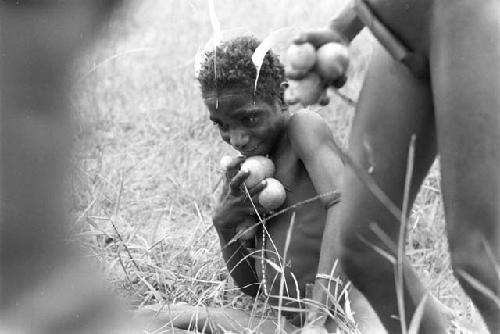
{"x":302,"y":149}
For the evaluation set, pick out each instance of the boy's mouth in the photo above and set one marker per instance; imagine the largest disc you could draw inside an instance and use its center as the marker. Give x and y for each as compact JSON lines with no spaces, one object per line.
{"x":249,"y":152}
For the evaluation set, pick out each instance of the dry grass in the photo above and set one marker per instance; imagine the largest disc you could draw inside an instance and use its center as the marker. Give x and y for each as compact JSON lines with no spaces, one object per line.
{"x":148,"y":163}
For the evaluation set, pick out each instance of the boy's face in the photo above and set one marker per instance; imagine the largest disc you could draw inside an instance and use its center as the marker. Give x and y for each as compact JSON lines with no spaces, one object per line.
{"x":251,"y":128}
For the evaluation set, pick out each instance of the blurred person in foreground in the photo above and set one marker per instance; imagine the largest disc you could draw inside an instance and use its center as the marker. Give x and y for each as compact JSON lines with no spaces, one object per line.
{"x":434,"y":76}
{"x":300,"y":145}
{"x":45,"y":285}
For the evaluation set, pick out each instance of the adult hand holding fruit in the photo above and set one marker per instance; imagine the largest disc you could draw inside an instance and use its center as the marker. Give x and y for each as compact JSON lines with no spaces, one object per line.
{"x":317,"y":59}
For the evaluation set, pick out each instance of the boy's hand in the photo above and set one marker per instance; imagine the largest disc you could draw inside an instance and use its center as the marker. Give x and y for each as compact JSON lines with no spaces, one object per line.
{"x":234,"y":205}
{"x":232,"y":169}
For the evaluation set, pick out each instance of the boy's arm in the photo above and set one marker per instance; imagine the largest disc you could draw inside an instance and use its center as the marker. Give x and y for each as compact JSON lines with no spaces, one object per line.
{"x":240,"y":264}
{"x":232,"y":209}
{"x":313,"y":142}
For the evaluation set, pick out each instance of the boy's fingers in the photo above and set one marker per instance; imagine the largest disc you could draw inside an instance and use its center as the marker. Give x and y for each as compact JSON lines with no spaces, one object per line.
{"x":225,"y":188}
{"x":236,"y":163}
{"x":318,"y":37}
{"x":254,"y":194}
{"x":234,"y":166}
{"x":237,"y":181}
{"x":257,"y":189}
{"x":258,"y":209}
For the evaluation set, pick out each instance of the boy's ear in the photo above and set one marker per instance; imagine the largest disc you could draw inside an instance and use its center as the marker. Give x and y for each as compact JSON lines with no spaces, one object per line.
{"x":280,"y":105}
{"x":283,"y":87}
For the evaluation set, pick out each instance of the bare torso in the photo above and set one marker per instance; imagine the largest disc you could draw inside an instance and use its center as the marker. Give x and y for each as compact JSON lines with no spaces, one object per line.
{"x":304,"y":247}
{"x":407,"y":19}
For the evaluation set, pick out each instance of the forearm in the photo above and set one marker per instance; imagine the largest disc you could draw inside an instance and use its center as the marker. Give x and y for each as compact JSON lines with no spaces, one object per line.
{"x":329,"y":250}
{"x":329,"y":273}
{"x":347,"y":23}
{"x":240,"y":263}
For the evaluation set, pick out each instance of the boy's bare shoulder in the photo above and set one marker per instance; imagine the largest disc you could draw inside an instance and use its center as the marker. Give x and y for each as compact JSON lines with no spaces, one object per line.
{"x":307,"y":128}
{"x":306,"y":119}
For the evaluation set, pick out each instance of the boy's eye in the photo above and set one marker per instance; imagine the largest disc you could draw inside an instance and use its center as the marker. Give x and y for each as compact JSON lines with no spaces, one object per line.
{"x":250,"y":120}
{"x":221,"y":126}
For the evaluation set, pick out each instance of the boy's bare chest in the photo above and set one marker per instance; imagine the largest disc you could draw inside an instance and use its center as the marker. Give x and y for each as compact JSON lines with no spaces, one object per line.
{"x":291,"y":172}
{"x":306,"y":233}
{"x":309,"y":216}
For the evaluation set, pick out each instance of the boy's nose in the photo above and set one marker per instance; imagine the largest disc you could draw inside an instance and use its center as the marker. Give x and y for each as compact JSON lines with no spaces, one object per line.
{"x":238,"y":139}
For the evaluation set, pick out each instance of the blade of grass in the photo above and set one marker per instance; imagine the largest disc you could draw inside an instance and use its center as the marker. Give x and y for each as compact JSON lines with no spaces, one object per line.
{"x":491,"y":257}
{"x":384,"y":237}
{"x":113,"y":57}
{"x":368,"y":181}
{"x":265,"y":236}
{"x":334,"y":193}
{"x":217,"y":38}
{"x":122,"y":242}
{"x":417,"y":316}
{"x":399,"y":272}
{"x":480,"y":287}
{"x":282,"y":278}
{"x":268,"y":42}
{"x":388,"y":256}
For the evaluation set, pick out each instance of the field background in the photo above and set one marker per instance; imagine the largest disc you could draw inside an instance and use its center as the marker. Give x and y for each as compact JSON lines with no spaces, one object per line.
{"x":147,"y":171}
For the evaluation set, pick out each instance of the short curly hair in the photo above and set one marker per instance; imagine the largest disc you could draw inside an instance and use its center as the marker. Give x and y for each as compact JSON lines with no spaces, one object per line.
{"x":235,"y":69}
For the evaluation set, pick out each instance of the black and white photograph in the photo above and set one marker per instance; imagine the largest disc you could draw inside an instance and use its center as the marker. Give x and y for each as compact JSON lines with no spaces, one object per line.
{"x":254,"y":167}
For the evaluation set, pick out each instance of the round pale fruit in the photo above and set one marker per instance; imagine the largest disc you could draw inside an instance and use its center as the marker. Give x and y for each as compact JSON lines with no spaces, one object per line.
{"x":301,"y":56}
{"x":246,"y":229}
{"x":332,"y":60}
{"x":307,"y":90}
{"x":225,"y":161}
{"x":273,"y":195}
{"x":259,"y":168}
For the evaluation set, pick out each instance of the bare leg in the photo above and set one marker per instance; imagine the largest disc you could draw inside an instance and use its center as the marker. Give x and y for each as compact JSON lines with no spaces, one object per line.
{"x":366,"y":319}
{"x":210,"y":320}
{"x":465,"y":63}
{"x":392,"y":107}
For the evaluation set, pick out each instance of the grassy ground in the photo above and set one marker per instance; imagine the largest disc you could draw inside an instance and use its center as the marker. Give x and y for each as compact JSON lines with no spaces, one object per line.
{"x":148,"y":169}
